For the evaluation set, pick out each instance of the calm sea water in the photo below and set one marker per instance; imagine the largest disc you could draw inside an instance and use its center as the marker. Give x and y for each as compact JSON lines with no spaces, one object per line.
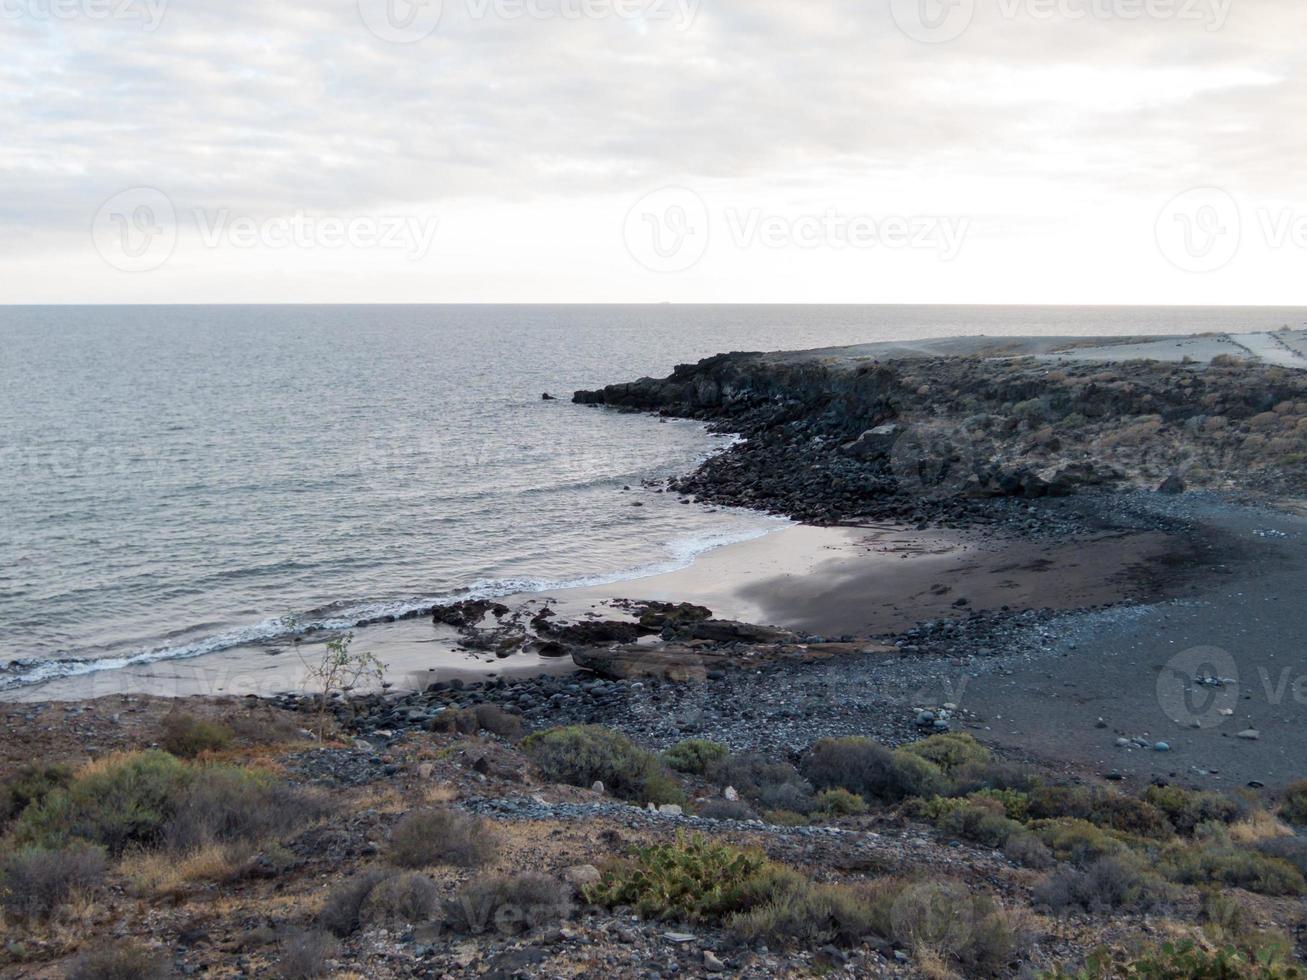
{"x":179,"y":480}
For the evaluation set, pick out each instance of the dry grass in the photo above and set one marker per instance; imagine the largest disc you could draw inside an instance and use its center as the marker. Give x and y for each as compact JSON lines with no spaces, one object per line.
{"x":1258,"y":826}
{"x":156,"y":874}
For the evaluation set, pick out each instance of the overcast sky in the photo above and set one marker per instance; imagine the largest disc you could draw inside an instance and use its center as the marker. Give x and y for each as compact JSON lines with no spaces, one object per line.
{"x":986,"y":151}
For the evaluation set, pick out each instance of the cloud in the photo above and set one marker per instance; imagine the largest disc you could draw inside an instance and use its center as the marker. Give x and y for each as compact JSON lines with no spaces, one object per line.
{"x":1036,"y":120}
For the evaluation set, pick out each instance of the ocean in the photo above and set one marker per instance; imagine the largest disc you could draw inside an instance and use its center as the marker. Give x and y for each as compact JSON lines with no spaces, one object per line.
{"x":177,"y":481}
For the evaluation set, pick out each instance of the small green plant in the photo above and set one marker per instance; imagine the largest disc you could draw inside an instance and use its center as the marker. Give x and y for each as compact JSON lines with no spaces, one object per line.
{"x":581,"y":755}
{"x":861,"y":766}
{"x":337,"y":673}
{"x":1233,"y":867}
{"x":695,"y":755}
{"x":31,"y":784}
{"x":1187,"y":809}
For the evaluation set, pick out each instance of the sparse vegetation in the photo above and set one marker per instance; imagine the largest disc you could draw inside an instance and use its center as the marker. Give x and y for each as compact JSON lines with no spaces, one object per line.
{"x":123,"y":961}
{"x":304,"y":954}
{"x":584,"y":754}
{"x":338,"y":671}
{"x":400,"y":899}
{"x":508,"y":904}
{"x":35,"y":882}
{"x":1293,"y":807}
{"x":31,"y":784}
{"x":695,"y":755}
{"x":187,"y":737}
{"x":426,"y":838}
{"x":342,"y":913}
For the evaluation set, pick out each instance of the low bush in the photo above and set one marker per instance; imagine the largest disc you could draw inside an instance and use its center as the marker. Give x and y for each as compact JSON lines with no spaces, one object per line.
{"x":402,"y":898}
{"x":951,"y":751}
{"x":225,"y":804}
{"x":494,"y":719}
{"x":1111,"y":811}
{"x":342,"y":913}
{"x":508,"y":904}
{"x":124,"y":961}
{"x":1293,"y":805}
{"x":695,"y":755}
{"x":839,"y":803}
{"x":1078,"y":841}
{"x":785,"y":818}
{"x":944,"y":918}
{"x":726,"y":810}
{"x":692,"y":880}
{"x":861,"y":766}
{"x":1233,"y":867}
{"x":810,"y":915}
{"x":1187,"y":809}
{"x":1109,"y":883}
{"x":31,"y":784}
{"x":124,"y":799}
{"x":773,"y":785}
{"x":979,"y":820}
{"x":1290,"y":849}
{"x":186,"y":736}
{"x":34,"y":883}
{"x":305,"y":954}
{"x":1182,"y":961}
{"x":426,"y":838}
{"x":581,"y":755}
{"x":1028,"y":851}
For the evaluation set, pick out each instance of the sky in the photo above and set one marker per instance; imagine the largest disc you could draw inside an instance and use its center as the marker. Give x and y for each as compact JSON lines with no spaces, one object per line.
{"x":629,"y":151}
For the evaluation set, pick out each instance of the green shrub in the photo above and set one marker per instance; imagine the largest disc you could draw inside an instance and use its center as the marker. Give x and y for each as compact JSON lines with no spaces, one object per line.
{"x":1109,"y":883}
{"x":34,"y":883}
{"x":508,"y":904}
{"x":1078,"y":841}
{"x":31,"y":784}
{"x":426,"y":838}
{"x":946,"y":918}
{"x":124,"y":961}
{"x":580,"y":755}
{"x":726,"y":810}
{"x":840,"y":803}
{"x":1111,"y":811}
{"x":1233,"y":867}
{"x":123,"y":800}
{"x":694,"y":755}
{"x":1293,"y":806}
{"x":1187,"y":809}
{"x":861,"y":766}
{"x":1028,"y":851}
{"x":979,"y":820}
{"x":186,"y":736}
{"x":692,"y":880}
{"x":950,"y":751}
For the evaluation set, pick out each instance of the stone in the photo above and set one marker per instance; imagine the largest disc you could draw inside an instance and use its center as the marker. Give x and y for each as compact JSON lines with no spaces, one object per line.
{"x":1249,"y":735}
{"x":1161,"y":747}
{"x":730,"y":793}
{"x":671,"y":810}
{"x":598,"y":786}
{"x":679,"y":938}
{"x":711,"y":963}
{"x":426,"y":770}
{"x":1173,"y":484}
